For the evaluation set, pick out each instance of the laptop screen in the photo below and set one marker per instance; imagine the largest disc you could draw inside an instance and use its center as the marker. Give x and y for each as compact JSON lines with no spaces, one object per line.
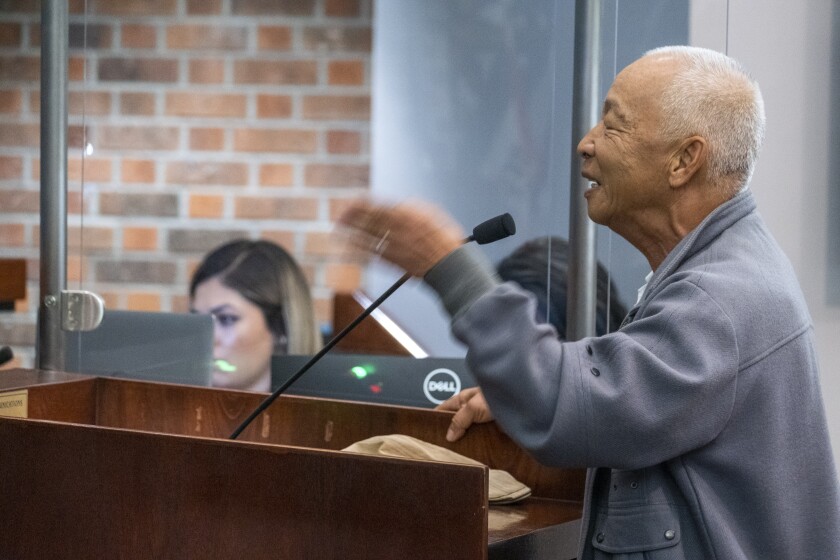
{"x":161,"y":347}
{"x":400,"y":380}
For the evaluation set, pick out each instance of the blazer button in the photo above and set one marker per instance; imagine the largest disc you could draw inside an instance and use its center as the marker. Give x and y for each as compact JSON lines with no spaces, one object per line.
{"x":670,"y":534}
{"x":589,"y":349}
{"x":599,"y":537}
{"x":595,"y":372}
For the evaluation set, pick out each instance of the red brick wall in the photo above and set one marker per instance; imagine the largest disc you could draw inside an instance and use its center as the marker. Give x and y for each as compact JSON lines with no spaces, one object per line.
{"x":209,"y":119}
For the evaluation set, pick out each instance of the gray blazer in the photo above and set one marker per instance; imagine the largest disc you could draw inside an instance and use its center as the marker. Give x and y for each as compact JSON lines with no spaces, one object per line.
{"x":701,"y":419}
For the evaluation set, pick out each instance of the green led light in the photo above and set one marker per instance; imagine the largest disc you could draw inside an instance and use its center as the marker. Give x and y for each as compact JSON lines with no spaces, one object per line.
{"x":363,"y":370}
{"x":225,"y":366}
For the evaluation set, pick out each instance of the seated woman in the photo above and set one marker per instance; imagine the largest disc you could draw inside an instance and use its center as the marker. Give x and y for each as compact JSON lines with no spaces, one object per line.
{"x":261,"y":306}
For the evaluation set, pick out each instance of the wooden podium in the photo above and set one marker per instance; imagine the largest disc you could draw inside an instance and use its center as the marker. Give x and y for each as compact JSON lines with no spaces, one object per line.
{"x":110,"y":468}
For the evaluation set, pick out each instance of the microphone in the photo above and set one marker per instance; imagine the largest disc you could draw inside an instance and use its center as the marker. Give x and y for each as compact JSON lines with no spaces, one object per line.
{"x":493,"y":229}
{"x":486,"y":232}
{"x":6,"y":355}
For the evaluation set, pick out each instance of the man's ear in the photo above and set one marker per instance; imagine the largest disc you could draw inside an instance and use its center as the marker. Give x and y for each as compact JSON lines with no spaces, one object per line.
{"x":688,"y":159}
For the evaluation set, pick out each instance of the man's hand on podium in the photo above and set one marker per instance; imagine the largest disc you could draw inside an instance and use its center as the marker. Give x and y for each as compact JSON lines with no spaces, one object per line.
{"x":470,"y":408}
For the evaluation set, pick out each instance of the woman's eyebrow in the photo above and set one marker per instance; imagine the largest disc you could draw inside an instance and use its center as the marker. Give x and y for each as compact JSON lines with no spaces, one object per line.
{"x":220,"y":308}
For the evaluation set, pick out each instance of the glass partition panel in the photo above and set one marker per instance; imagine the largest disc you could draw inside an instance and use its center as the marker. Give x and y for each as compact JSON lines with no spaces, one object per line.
{"x":195,"y":123}
{"x":473,"y":110}
{"x":199,"y":124}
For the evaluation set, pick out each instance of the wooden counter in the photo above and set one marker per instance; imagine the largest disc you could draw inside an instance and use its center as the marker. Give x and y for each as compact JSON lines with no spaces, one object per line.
{"x":114,"y":468}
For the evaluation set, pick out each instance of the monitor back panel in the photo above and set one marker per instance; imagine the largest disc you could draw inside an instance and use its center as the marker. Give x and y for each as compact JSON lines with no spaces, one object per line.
{"x":396,"y":380}
{"x":161,"y":347}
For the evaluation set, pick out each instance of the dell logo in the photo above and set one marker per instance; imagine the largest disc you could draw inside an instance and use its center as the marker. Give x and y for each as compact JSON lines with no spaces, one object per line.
{"x":441,"y":384}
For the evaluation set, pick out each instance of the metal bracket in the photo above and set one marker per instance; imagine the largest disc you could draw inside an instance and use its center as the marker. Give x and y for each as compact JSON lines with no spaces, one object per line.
{"x":81,"y":310}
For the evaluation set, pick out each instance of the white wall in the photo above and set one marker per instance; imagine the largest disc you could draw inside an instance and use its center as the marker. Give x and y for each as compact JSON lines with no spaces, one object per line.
{"x":787,"y":46}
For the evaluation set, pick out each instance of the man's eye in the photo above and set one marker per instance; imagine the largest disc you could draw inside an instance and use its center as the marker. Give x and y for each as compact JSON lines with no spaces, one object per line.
{"x":225,"y":320}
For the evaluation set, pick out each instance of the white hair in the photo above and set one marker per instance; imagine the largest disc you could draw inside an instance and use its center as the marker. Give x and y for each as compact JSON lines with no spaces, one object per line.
{"x":713,"y":97}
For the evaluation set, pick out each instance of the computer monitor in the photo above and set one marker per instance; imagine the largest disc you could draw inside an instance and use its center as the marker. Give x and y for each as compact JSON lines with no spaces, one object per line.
{"x":399,"y":380}
{"x":161,"y":347}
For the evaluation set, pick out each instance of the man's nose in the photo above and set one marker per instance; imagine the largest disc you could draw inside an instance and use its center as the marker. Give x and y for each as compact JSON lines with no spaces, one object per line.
{"x":586,"y":146}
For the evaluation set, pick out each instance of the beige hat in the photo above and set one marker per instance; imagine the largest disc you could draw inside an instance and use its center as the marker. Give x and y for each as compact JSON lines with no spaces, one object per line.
{"x":504,"y":489}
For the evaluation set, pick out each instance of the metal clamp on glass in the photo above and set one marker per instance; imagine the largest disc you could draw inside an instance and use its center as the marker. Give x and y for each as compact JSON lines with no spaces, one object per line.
{"x":80,"y":310}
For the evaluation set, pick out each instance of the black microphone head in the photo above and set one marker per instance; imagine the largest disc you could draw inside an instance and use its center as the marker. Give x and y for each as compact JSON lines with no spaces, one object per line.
{"x":494,"y":229}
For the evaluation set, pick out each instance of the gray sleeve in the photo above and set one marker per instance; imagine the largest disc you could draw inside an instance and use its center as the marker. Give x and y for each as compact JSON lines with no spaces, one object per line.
{"x":461,"y":278}
{"x":660,"y":387}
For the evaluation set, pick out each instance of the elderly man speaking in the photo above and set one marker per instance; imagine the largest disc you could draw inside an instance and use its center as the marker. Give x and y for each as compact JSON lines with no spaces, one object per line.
{"x":701,"y":419}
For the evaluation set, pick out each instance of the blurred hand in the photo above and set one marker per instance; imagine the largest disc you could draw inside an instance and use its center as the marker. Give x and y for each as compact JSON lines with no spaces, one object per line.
{"x":412,"y":235}
{"x":470,"y":408}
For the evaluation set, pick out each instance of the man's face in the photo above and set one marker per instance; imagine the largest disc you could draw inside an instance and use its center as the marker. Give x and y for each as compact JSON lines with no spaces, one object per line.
{"x":624,"y":155}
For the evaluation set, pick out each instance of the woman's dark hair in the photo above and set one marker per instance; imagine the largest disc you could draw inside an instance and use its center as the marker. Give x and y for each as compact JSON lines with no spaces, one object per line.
{"x":528,"y":266}
{"x":267,"y":276}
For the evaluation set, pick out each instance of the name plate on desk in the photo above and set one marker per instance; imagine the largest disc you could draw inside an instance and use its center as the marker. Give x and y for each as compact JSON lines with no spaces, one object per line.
{"x":14,"y":404}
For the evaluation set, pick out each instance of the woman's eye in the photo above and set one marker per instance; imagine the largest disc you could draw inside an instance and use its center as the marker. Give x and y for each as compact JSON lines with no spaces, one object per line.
{"x":225,"y":320}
